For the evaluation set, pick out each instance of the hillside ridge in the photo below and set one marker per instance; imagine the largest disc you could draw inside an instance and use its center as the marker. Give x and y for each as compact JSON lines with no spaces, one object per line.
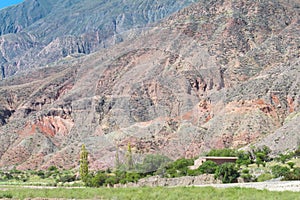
{"x":217,"y":74}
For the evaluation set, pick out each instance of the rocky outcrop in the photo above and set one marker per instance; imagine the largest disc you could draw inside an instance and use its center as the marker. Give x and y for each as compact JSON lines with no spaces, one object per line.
{"x":216,"y":74}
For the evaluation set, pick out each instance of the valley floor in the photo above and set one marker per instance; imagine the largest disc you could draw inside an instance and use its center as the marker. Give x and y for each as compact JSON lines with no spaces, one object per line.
{"x":293,"y":186}
{"x":243,"y":191}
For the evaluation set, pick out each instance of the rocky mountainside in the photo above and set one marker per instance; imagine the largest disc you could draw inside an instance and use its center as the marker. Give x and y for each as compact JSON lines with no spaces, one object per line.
{"x":216,"y":74}
{"x":38,"y":32}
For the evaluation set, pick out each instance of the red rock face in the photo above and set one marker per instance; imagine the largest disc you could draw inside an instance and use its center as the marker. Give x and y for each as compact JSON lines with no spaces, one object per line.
{"x":203,"y":78}
{"x":291,"y":104}
{"x":51,"y":126}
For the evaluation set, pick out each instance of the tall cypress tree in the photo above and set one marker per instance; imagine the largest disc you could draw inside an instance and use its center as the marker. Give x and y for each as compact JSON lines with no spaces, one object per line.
{"x":117,"y":161}
{"x":84,"y":167}
{"x":129,"y":158}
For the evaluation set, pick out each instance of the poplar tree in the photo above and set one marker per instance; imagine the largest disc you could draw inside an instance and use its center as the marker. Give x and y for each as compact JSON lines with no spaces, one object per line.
{"x":84,"y":168}
{"x":117,"y":161}
{"x":129,"y":158}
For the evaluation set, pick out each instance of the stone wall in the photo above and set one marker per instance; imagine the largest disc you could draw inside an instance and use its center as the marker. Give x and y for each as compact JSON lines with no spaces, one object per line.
{"x":156,"y":181}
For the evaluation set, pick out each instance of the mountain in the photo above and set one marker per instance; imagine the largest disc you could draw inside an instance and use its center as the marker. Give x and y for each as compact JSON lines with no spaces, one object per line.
{"x":39,"y":32}
{"x":215,"y":74}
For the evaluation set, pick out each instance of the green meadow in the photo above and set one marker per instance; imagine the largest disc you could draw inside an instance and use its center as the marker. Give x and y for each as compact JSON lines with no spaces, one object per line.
{"x":210,"y":193}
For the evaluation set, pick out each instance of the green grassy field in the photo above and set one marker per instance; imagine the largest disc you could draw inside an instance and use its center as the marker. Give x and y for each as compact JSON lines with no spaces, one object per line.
{"x":146,"y":193}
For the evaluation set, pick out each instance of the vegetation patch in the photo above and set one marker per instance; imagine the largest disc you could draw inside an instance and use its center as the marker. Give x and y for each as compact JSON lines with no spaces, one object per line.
{"x":148,"y":193}
{"x":255,"y":165}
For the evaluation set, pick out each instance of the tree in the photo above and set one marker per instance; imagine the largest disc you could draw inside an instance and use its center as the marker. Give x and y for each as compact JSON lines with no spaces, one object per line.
{"x":284,"y":157}
{"x":84,"y":168}
{"x":244,"y":158}
{"x":222,"y":152}
{"x":292,"y":175}
{"x":129,"y":159}
{"x":99,"y":179}
{"x":227,"y":172}
{"x":262,"y":155}
{"x":179,"y":167}
{"x":279,"y":171}
{"x":152,"y":163}
{"x":111,"y":180}
{"x":208,"y":167}
{"x":117,"y":159}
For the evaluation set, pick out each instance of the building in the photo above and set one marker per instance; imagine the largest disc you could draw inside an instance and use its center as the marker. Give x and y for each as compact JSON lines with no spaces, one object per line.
{"x":219,"y":160}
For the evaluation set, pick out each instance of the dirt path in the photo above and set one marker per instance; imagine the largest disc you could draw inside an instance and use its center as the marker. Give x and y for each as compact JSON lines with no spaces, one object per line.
{"x":272,"y":186}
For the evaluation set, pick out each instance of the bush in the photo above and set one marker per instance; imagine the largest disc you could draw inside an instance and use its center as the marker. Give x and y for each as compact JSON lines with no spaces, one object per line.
{"x":15,"y":171}
{"x":291,"y":164}
{"x":111,"y":180}
{"x":208,"y":167}
{"x":52,"y":168}
{"x":182,"y":163}
{"x":279,"y":171}
{"x":177,"y":168}
{"x":292,"y":175}
{"x":41,"y":174}
{"x":222,"y":153}
{"x":172,"y":173}
{"x":261,"y":155}
{"x":67,"y":178}
{"x":132,"y":177}
{"x":24,"y":178}
{"x":8,"y":176}
{"x":98,"y":180}
{"x":6,"y":196}
{"x":103,"y":178}
{"x":152,"y":163}
{"x":227,"y":172}
{"x":191,"y":172}
{"x":247,"y":176}
{"x":264,"y":177}
{"x":244,"y":158}
{"x":260,"y":159}
{"x":284,"y":157}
